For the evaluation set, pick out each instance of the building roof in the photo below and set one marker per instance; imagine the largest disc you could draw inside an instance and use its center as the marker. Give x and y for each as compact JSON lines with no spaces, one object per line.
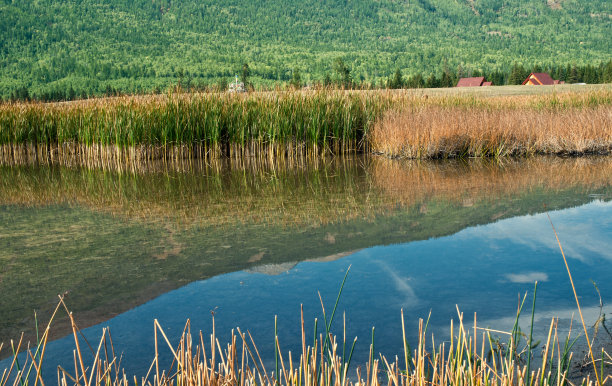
{"x":540,"y":78}
{"x":487,"y":83}
{"x":471,"y":82}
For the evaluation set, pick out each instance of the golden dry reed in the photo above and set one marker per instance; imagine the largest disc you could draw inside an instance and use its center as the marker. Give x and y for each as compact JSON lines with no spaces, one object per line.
{"x":472,"y":356}
{"x":563,"y":124}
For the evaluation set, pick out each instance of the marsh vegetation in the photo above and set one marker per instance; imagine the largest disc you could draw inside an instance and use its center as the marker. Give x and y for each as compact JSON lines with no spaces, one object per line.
{"x":306,"y":124}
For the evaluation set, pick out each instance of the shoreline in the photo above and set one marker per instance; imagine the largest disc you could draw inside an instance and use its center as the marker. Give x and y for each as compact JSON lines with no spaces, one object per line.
{"x":144,"y":158}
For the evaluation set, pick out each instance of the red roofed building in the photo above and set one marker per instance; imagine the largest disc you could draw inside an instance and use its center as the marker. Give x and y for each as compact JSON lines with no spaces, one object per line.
{"x":539,"y":79}
{"x":471,"y":82}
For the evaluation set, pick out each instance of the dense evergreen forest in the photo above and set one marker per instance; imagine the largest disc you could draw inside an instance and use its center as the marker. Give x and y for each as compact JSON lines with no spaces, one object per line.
{"x":65,"y":49}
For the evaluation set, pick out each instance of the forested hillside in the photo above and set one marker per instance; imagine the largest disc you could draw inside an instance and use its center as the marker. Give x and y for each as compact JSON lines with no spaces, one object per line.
{"x":137,"y":45}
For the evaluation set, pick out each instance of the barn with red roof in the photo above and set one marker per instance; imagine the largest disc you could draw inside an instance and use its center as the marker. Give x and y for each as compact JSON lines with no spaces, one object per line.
{"x":539,"y":79}
{"x":473,"y":82}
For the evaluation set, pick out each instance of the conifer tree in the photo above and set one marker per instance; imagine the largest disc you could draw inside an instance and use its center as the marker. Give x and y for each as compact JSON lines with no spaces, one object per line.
{"x":296,"y":80}
{"x":607,"y":73}
{"x":517,"y":74}
{"x":397,"y":81}
{"x":244,"y":76}
{"x":344,"y":73}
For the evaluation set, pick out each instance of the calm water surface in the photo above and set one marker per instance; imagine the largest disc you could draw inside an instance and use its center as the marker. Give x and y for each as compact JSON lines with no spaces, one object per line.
{"x":251,"y":242}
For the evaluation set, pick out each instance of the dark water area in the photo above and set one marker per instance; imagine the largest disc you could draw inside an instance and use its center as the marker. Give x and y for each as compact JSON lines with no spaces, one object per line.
{"x":251,"y":242}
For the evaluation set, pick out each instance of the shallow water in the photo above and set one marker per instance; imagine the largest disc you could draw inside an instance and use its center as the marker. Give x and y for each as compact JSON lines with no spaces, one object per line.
{"x":251,"y":242}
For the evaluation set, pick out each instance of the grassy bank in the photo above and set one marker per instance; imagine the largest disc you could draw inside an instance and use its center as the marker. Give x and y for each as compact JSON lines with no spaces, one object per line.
{"x":407,"y":123}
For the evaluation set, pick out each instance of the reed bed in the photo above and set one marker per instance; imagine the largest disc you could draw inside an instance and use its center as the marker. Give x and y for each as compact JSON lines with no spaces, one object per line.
{"x":145,"y":158}
{"x":206,"y":125}
{"x":472,"y":355}
{"x":566,"y":124}
{"x":406,"y":123}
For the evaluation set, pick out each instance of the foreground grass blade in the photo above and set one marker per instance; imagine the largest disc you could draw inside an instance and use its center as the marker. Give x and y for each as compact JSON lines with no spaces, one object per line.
{"x":569,"y":274}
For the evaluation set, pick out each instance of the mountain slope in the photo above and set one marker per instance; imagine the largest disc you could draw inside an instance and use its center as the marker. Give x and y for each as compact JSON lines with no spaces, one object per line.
{"x":141,"y":44}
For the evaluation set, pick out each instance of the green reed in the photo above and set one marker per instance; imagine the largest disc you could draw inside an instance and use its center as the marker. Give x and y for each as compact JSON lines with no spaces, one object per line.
{"x":324,"y":121}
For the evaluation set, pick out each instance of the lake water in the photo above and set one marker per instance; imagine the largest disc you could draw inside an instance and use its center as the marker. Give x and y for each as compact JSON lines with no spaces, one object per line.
{"x":253,"y":241}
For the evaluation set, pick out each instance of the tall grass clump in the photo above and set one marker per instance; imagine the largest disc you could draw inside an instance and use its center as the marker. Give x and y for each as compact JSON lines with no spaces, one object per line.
{"x":472,"y":355}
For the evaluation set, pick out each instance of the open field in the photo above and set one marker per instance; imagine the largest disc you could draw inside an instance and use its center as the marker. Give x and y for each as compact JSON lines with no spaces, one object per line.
{"x":422,"y":123}
{"x":499,"y":91}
